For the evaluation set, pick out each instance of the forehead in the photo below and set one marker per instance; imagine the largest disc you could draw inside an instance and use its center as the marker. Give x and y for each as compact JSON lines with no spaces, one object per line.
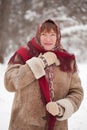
{"x":48,"y":31}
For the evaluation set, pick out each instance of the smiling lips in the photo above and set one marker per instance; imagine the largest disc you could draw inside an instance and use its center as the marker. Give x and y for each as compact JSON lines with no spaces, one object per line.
{"x":47,"y":43}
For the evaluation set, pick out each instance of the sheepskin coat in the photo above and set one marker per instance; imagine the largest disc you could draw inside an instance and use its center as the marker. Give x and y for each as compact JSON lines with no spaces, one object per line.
{"x":28,"y":110}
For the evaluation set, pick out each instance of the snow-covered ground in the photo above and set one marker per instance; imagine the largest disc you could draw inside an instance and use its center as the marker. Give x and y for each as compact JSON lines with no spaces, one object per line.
{"x":6,"y":99}
{"x":77,"y":122}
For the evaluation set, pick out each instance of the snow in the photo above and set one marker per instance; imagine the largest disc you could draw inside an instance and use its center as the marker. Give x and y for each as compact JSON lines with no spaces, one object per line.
{"x":6,"y":99}
{"x":30,"y":15}
{"x":74,"y":29}
{"x":77,"y":121}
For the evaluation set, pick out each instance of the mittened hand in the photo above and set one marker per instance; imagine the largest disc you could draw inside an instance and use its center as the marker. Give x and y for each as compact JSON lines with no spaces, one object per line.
{"x":52,"y":108}
{"x":50,"y":58}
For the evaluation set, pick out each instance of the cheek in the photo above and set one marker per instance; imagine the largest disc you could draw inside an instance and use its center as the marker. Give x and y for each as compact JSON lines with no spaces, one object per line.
{"x":55,"y":39}
{"x":41,"y":40}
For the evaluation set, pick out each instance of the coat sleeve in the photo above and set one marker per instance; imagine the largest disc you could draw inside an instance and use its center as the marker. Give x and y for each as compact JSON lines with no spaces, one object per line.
{"x":76,"y":91}
{"x":17,"y":75}
{"x":72,"y":101}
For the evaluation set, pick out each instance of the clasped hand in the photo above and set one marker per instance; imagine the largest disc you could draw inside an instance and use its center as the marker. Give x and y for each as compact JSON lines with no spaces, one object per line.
{"x":54,"y":109}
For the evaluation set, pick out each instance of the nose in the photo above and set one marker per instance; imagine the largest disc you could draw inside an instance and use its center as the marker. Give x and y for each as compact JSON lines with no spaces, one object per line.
{"x":48,"y":38}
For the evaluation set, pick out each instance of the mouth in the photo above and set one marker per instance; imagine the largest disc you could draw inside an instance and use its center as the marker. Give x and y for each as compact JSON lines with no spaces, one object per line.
{"x":47,"y":43}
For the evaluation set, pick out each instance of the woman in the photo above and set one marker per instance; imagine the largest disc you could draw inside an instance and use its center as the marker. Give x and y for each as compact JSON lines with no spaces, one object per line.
{"x":46,"y":83}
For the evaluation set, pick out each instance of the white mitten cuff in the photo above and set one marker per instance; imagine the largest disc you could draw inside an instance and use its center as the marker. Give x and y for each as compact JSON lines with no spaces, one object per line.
{"x":68,"y":106}
{"x":36,"y":67}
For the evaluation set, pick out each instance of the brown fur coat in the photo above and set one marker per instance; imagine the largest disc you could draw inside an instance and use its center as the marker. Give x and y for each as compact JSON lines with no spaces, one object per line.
{"x":28,"y":111}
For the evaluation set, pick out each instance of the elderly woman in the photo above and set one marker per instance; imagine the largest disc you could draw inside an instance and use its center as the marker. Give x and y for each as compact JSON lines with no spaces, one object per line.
{"x":45,"y":80}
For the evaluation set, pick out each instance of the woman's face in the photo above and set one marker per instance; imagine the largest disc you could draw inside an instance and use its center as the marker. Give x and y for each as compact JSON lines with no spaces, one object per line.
{"x":48,"y":39}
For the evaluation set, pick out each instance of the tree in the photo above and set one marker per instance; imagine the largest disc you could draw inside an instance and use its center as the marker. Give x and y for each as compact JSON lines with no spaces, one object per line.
{"x":4,"y":23}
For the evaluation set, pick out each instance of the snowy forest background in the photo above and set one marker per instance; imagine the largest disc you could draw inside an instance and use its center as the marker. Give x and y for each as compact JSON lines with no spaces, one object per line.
{"x":18,"y":23}
{"x":19,"y":20}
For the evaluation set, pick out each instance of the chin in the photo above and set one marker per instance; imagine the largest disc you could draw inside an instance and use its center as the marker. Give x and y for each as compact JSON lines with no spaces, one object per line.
{"x":48,"y":49}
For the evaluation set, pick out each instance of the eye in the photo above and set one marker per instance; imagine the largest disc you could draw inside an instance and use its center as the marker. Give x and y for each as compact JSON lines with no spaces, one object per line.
{"x":53,"y":34}
{"x":43,"y":34}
